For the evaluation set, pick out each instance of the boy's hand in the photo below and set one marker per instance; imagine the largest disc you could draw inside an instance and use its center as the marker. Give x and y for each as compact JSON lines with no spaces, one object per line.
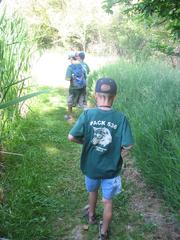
{"x":125,"y":151}
{"x":75,"y":139}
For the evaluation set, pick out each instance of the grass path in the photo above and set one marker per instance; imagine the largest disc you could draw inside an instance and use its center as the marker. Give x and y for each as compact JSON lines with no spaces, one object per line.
{"x":44,"y":189}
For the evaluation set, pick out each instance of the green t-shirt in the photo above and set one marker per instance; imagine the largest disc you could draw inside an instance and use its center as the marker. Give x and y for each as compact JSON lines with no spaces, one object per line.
{"x":104,"y":133}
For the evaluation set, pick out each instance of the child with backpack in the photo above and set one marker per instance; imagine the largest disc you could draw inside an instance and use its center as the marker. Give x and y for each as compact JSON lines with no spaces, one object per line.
{"x":76,"y":74}
{"x":106,"y":137}
{"x":81,"y":56}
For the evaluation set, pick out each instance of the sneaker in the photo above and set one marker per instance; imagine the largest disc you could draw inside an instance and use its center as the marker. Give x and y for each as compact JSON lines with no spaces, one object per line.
{"x":68,"y":117}
{"x":102,"y":236}
{"x":79,"y":106}
{"x":85,"y":107}
{"x":90,"y":220}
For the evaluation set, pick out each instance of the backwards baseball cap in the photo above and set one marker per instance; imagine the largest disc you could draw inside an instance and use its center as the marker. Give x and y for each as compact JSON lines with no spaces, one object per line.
{"x":71,"y":55}
{"x":106,"y":85}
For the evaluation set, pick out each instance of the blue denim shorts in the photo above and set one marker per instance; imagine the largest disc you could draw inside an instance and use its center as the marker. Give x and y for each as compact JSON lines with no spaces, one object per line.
{"x":110,"y":187}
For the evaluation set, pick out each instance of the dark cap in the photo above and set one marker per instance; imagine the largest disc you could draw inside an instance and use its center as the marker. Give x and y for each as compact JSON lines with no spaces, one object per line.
{"x":106,"y":85}
{"x":82,"y":55}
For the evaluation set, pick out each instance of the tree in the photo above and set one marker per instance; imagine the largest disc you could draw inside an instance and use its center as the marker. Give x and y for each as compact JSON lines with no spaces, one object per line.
{"x":167,"y":11}
{"x":40,"y":16}
{"x":82,"y":23}
{"x":70,"y":24}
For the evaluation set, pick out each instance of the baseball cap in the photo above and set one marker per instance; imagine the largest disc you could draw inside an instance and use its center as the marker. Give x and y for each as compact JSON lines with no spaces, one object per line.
{"x":71,"y":55}
{"x":82,"y":55}
{"x":106,"y":85}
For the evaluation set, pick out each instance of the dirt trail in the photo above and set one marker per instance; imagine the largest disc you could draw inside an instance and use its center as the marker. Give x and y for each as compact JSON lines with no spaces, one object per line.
{"x":146,"y":202}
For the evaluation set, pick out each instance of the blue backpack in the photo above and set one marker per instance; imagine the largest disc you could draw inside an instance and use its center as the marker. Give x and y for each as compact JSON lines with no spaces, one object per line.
{"x":78,"y":76}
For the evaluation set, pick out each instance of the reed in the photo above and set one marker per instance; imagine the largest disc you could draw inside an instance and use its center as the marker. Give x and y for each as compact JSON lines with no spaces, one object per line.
{"x":14,"y":61}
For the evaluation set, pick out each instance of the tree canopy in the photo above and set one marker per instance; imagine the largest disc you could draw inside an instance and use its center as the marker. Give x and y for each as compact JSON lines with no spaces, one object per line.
{"x":138,"y":28}
{"x":167,"y":11}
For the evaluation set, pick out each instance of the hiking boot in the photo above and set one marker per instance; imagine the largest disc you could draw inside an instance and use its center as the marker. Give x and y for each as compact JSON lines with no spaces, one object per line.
{"x":90,"y":219}
{"x":68,"y":117}
{"x":102,"y":236}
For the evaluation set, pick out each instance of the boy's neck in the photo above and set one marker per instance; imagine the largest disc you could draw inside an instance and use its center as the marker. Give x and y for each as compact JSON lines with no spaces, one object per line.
{"x":104,"y":102}
{"x":104,"y":107}
{"x":107,"y":105}
{"x":75,"y":62}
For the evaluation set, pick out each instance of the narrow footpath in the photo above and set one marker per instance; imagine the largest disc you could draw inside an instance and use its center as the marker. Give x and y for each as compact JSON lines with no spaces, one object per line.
{"x":45,"y":189}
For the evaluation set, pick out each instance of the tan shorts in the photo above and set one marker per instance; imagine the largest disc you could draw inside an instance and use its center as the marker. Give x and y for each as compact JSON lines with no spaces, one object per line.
{"x":76,"y":96}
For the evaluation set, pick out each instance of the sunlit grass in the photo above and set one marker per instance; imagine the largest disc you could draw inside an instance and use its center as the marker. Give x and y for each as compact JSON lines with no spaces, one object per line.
{"x":51,"y":150}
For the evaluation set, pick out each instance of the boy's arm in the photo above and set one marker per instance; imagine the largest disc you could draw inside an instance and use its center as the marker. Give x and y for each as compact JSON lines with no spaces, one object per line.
{"x":76,"y":134}
{"x":127,"y":138}
{"x":76,"y":140}
{"x":68,"y":74}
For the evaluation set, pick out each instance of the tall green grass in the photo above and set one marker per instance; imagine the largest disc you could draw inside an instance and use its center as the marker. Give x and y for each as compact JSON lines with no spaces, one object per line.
{"x":149,"y":96}
{"x":14,"y":64}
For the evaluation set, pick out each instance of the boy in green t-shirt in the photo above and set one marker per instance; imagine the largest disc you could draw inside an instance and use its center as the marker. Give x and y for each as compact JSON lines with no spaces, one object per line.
{"x":81,"y":56}
{"x":76,"y":75}
{"x":106,"y":137}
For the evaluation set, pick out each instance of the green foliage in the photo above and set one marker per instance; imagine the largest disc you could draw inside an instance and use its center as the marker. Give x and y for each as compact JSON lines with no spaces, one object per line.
{"x":149,"y":96}
{"x":84,"y":25}
{"x":14,"y":62}
{"x":85,"y":21}
{"x":45,"y":36}
{"x":20,"y":99}
{"x":139,"y":35}
{"x":57,"y":4}
{"x":167,"y":11}
{"x":36,"y":193}
{"x":15,"y":51}
{"x":70,"y":24}
{"x":130,"y":37}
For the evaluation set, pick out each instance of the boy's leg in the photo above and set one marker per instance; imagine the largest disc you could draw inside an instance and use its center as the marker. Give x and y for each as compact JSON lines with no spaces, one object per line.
{"x":107,"y":216}
{"x":85,"y":97}
{"x":82,"y":97}
{"x":92,"y":186}
{"x":110,"y":188}
{"x":92,"y":203}
{"x":69,"y":110}
{"x":70,"y":102}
